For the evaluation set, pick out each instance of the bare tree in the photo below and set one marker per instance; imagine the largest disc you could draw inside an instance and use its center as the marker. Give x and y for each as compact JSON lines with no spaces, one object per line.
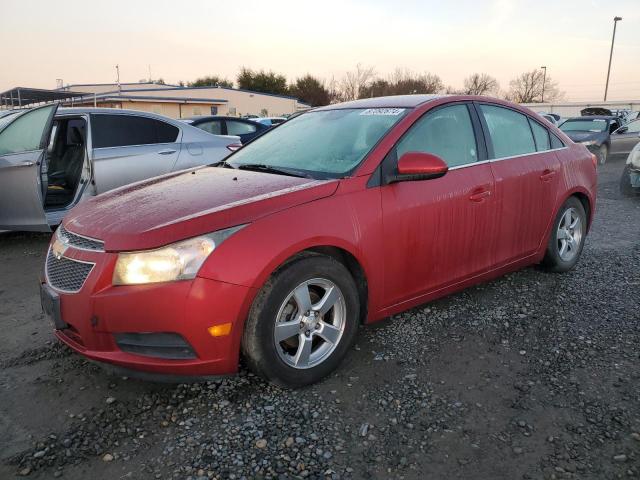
{"x":480,"y":84}
{"x":353,"y":81}
{"x":402,"y":82}
{"x":527,"y":88}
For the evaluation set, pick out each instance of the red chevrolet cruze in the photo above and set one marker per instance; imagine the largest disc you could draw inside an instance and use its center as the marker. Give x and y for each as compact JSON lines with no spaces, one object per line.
{"x":343,"y":215}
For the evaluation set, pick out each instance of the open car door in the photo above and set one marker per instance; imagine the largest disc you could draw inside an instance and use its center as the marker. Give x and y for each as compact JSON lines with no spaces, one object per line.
{"x":23,"y":146}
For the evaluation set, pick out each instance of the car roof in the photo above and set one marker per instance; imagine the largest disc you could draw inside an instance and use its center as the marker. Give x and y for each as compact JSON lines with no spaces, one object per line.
{"x":394,"y":101}
{"x":216,"y":117}
{"x":594,"y":117}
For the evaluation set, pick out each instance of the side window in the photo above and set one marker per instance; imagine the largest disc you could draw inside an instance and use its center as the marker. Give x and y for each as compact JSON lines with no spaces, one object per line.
{"x":633,"y":127}
{"x":541,"y":136}
{"x":556,"y":142}
{"x":446,"y":132}
{"x":214,"y":127}
{"x":26,"y":132}
{"x":124,"y":130}
{"x":239,"y":128}
{"x":509,"y":130}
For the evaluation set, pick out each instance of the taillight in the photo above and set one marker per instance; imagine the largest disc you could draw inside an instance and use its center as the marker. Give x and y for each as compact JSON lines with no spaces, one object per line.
{"x":594,"y":160}
{"x":234,"y":146}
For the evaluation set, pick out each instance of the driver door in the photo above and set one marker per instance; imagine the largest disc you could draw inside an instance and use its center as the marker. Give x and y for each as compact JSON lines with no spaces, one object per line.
{"x":439,"y":232}
{"x":23,"y":144}
{"x":624,"y":139}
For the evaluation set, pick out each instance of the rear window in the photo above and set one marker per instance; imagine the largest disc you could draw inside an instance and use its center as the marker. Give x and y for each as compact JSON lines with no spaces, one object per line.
{"x":239,"y":128}
{"x":123,"y":130}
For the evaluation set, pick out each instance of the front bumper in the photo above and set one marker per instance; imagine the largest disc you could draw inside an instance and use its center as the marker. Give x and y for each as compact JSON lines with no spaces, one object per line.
{"x":634,"y":176}
{"x":100,"y":313}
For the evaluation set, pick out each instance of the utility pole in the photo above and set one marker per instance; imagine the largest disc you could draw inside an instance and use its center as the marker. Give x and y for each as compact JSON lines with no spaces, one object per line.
{"x":544,"y":81}
{"x":613,"y":39}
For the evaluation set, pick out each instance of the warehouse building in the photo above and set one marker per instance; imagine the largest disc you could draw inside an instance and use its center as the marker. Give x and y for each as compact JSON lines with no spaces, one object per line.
{"x":179,"y":102}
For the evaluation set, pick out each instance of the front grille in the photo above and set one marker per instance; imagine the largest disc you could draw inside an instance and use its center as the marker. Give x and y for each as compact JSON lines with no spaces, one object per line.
{"x":65,"y":274}
{"x":78,"y":241}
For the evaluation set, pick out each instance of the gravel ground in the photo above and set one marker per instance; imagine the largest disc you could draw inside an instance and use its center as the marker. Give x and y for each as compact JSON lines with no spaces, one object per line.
{"x":531,"y":376}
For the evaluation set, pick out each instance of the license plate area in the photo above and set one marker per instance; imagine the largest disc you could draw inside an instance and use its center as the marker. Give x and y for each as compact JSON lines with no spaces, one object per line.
{"x":50,"y":302}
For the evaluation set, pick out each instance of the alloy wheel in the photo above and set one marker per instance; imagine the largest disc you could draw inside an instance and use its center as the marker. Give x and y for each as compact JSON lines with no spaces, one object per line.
{"x":310,"y":323}
{"x":569,"y":235}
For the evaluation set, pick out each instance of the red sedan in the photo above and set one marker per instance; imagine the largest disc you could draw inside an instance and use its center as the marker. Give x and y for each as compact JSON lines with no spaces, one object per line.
{"x":344,"y":215}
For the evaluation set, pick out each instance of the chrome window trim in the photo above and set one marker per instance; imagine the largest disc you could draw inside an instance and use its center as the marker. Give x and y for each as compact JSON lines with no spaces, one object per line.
{"x":46,"y":273}
{"x":81,"y":236}
{"x":507,"y":158}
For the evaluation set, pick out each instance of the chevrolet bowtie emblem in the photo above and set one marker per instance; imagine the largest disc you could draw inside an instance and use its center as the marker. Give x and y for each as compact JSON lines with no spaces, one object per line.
{"x":58,"y":248}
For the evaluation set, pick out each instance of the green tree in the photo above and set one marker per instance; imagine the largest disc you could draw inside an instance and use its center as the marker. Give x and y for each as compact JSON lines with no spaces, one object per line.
{"x":262,"y":81}
{"x":211,"y":81}
{"x":310,"y":90}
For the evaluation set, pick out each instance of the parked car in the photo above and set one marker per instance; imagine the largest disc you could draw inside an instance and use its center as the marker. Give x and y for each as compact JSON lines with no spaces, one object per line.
{"x":346,"y":214}
{"x":634,"y":116}
{"x":247,"y":130}
{"x":630,"y":180}
{"x":597,"y":111}
{"x":51,"y":159}
{"x":270,"y":121}
{"x":550,"y":117}
{"x":624,"y":139}
{"x":594,"y":132}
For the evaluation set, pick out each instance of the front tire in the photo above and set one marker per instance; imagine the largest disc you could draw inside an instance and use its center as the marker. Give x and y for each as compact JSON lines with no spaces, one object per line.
{"x":302,"y":322}
{"x":567,"y":237}
{"x":602,"y":154}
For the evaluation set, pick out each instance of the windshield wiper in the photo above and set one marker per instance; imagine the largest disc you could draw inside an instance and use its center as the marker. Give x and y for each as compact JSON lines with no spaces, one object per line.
{"x":223,"y":164}
{"x":261,"y":167}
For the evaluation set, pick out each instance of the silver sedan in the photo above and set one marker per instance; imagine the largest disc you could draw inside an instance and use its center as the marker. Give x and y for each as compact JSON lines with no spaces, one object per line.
{"x":51,"y":159}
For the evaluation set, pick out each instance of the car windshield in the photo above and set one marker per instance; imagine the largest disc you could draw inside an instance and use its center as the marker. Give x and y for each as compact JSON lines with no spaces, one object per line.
{"x":320,"y":144}
{"x":593,"y":125}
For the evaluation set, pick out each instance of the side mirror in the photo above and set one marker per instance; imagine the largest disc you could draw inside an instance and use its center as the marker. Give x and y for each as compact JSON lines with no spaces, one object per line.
{"x":419,"y":166}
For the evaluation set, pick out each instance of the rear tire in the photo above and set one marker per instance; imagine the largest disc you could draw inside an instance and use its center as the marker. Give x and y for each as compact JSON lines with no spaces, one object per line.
{"x":625,"y":183}
{"x":567,"y":237}
{"x":302,"y":322}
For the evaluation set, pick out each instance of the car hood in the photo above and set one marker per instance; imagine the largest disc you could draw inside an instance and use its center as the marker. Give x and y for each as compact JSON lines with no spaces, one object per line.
{"x":580,"y":136}
{"x":181,"y":205}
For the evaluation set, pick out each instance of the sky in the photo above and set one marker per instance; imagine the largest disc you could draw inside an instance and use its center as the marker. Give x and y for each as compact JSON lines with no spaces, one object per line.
{"x":82,"y":41}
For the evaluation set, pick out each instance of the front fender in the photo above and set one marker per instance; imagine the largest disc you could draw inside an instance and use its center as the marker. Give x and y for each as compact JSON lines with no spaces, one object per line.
{"x":349,"y":220}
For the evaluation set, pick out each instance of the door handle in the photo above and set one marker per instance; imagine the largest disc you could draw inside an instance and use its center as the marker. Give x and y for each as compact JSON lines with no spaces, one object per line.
{"x":167,"y":151}
{"x":26,"y":163}
{"x":547,"y":175}
{"x":479,"y":195}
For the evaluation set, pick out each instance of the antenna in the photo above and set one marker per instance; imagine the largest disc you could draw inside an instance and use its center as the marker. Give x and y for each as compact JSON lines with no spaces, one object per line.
{"x":118,"y":76}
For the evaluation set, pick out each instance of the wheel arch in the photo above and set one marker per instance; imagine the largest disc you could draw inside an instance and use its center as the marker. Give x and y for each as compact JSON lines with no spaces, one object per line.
{"x":340,"y":253}
{"x":585,"y":200}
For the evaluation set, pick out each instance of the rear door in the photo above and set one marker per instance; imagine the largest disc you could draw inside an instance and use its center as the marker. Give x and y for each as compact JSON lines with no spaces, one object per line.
{"x":128,"y":148}
{"x":526,"y":172}
{"x":23,"y":144}
{"x":624,"y":139}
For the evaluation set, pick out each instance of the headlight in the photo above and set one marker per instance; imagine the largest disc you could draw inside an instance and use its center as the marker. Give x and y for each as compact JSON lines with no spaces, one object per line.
{"x":588,"y":143}
{"x":179,"y":261}
{"x":634,"y":157}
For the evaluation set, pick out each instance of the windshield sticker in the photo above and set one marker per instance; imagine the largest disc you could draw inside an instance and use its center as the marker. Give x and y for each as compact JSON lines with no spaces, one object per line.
{"x":383,"y":111}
